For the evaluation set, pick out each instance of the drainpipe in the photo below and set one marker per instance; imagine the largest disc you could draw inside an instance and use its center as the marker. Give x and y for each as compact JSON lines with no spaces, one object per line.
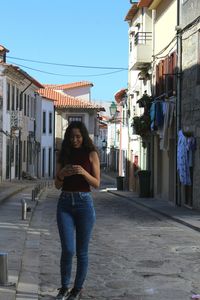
{"x":178,"y":100}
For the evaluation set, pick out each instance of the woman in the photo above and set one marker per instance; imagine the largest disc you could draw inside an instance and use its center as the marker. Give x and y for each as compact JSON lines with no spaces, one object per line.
{"x":78,"y":168}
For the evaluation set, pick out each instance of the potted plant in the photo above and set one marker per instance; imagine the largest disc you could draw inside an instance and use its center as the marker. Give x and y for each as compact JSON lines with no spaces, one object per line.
{"x":145,"y":101}
{"x":141,"y":125}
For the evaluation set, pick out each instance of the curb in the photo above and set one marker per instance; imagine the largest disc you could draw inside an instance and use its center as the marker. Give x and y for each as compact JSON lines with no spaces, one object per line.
{"x":30,"y":267}
{"x":16,"y":191}
{"x":178,"y":220}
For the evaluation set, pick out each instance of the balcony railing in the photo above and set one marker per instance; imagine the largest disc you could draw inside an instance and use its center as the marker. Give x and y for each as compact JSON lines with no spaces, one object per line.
{"x":141,"y":53}
{"x":143,"y":38}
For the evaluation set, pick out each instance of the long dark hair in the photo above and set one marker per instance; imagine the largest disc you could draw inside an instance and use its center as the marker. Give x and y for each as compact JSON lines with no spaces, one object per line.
{"x":66,"y":148}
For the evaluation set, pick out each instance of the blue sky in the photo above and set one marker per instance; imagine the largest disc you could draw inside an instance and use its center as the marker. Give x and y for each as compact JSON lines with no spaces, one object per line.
{"x":86,"y":33}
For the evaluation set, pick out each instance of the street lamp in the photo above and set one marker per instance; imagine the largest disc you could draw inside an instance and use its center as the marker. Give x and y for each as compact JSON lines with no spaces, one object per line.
{"x":113,"y":109}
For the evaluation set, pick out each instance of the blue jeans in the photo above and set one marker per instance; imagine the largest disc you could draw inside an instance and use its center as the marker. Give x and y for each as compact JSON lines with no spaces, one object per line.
{"x":75,"y":214}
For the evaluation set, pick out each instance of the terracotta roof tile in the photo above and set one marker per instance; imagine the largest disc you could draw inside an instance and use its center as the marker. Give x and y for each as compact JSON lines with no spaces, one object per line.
{"x":132,"y":12}
{"x":69,"y":85}
{"x":65,"y":101}
{"x":144,"y":3}
{"x":26,"y":75}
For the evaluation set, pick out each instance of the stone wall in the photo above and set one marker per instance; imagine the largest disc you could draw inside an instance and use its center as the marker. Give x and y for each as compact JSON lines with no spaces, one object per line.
{"x":189,"y":11}
{"x":190,"y":98}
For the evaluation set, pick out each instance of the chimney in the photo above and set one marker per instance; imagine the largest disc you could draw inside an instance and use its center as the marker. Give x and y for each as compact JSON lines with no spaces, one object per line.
{"x":3,"y":52}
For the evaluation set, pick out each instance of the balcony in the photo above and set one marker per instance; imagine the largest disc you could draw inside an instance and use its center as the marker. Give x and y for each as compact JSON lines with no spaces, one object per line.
{"x":141,"y":54}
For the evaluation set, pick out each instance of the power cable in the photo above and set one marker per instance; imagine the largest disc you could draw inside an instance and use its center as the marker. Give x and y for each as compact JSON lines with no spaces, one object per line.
{"x":66,"y":75}
{"x":67,"y":65}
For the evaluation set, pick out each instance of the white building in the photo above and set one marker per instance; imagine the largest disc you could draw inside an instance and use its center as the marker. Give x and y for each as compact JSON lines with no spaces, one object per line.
{"x":45,"y":133}
{"x":17,"y":120}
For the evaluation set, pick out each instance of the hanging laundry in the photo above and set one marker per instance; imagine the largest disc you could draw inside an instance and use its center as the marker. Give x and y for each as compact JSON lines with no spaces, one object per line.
{"x":168,"y":111}
{"x":159,"y":117}
{"x":152,"y":116}
{"x":185,"y":148}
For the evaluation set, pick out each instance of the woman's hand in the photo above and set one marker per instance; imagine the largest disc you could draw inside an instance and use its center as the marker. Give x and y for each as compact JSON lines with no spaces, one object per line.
{"x":78,"y":170}
{"x":66,"y":171}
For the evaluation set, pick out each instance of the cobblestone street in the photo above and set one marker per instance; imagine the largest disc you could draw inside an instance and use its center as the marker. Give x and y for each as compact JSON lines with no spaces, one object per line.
{"x":134,"y":253}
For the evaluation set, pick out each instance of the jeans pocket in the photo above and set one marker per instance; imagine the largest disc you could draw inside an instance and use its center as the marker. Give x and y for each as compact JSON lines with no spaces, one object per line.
{"x":86,"y":196}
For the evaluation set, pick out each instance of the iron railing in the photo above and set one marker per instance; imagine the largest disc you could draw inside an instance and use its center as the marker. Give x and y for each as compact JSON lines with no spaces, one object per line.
{"x":142,"y":38}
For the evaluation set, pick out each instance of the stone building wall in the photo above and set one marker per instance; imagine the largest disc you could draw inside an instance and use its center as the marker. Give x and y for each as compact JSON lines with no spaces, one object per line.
{"x":190,"y":98}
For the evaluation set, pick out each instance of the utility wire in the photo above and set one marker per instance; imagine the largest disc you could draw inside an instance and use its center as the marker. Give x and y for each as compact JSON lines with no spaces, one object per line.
{"x":165,"y":48}
{"x":67,"y":75}
{"x":67,"y":65}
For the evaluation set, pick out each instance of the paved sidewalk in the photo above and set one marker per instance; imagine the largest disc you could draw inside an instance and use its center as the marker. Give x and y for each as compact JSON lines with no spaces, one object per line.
{"x":183,"y":215}
{"x":14,"y":230}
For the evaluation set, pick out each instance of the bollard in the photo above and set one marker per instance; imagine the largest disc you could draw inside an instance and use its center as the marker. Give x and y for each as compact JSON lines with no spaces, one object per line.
{"x":24,"y":209}
{"x":3,"y":268}
{"x":33,"y":195}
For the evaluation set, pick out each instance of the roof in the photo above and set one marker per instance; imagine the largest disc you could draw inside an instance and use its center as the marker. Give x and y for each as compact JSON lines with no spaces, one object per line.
{"x":22,"y":72}
{"x":135,"y":7}
{"x":154,"y":4}
{"x":2,"y":48}
{"x":132,"y":11}
{"x":66,"y":101}
{"x":144,"y":3}
{"x":69,"y":85}
{"x":120,"y":95}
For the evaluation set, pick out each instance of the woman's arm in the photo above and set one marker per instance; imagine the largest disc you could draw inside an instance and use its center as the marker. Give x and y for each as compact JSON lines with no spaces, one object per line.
{"x":61,"y":172}
{"x":94,"y":178}
{"x":58,"y":180}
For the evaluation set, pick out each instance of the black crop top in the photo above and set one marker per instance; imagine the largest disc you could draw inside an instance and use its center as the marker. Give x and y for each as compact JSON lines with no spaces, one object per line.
{"x":77,"y":183}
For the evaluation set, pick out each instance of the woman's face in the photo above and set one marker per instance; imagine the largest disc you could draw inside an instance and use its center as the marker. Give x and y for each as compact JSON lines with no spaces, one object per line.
{"x":76,"y":138}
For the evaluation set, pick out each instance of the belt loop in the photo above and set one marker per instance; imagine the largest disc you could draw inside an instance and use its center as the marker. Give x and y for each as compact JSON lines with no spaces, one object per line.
{"x":73,"y":200}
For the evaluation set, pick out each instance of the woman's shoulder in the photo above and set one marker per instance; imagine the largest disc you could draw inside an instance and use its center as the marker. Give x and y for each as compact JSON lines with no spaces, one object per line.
{"x":93,"y":155}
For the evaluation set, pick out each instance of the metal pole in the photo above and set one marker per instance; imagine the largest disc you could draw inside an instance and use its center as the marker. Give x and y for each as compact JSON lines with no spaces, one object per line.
{"x":24,"y":209}
{"x":33,"y":195}
{"x":3,"y":268}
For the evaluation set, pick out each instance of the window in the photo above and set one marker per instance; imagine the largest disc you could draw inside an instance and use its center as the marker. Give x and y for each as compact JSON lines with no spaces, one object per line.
{"x":25,"y":104}
{"x":166,"y":75}
{"x":74,"y":118}
{"x":50,"y":162}
{"x":8,"y":96}
{"x":21,"y":101}
{"x":32,"y":107}
{"x":28,"y":105}
{"x":43,"y":162}
{"x":24,"y":152}
{"x":29,"y":153}
{"x":17,"y":99}
{"x":44,"y":122}
{"x":50,"y":122}
{"x":131,"y":47}
{"x":12,"y":145}
{"x":13,"y":98}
